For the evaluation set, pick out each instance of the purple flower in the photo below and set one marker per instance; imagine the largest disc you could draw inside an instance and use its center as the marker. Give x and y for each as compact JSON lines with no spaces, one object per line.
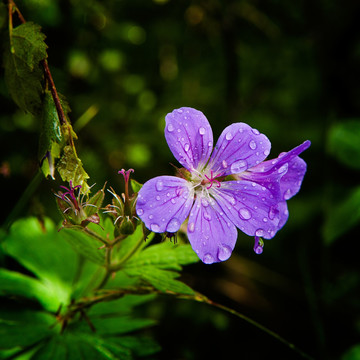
{"x":228,"y":187}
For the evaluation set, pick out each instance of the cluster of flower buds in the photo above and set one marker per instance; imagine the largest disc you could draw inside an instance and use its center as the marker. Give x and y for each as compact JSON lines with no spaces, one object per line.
{"x":122,"y":208}
{"x":77,"y":208}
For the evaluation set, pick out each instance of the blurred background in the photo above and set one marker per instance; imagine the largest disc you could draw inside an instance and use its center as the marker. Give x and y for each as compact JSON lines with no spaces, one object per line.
{"x":288,"y":68}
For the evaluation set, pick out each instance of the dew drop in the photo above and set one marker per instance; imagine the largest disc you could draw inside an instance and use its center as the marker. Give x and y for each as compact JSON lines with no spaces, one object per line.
{"x":155,"y":227}
{"x":173,"y":201}
{"x":255,"y":131}
{"x":238,"y":166}
{"x":202,"y":131}
{"x":224,"y":252}
{"x":158,"y":198}
{"x":259,"y":232}
{"x":204,"y":202}
{"x":151,"y":216}
{"x":140,"y":212}
{"x":266,"y":152}
{"x":191,"y":227}
{"x":224,"y":164}
{"x":265,"y":219}
{"x":173,"y":225}
{"x":207,"y":216}
{"x":272,"y":213}
{"x":283,"y":169}
{"x":258,"y":246}
{"x":210,"y":144}
{"x":208,"y":259}
{"x":287,"y":194}
{"x":170,"y":128}
{"x":252,"y":145}
{"x":244,"y":214}
{"x":179,"y":111}
{"x":159,"y":185}
{"x":186,"y":147}
{"x":228,"y":136}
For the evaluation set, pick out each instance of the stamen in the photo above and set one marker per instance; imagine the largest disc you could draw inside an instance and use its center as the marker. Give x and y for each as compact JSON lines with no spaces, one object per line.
{"x":212,"y":179}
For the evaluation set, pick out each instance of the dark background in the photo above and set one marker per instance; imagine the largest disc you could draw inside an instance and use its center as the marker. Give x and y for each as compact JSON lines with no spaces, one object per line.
{"x":288,"y":68}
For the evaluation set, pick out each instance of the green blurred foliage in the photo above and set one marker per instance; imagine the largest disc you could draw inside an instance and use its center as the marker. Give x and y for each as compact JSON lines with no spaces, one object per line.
{"x":290,"y":69}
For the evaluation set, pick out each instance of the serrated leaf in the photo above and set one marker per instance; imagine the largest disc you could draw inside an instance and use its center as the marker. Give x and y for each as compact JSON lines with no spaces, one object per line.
{"x":23,"y":75}
{"x":344,"y":142}
{"x":342,"y":217}
{"x":23,"y":328}
{"x":40,"y":248}
{"x":70,"y":168}
{"x":165,"y":256}
{"x":84,"y":244}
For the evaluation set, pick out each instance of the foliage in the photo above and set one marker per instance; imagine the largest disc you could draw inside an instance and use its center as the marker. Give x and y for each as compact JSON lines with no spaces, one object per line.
{"x":289,"y":69}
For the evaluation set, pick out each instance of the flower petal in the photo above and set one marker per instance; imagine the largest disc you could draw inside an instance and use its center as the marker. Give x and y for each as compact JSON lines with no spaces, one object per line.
{"x":250,"y":206}
{"x":210,"y":232}
{"x":164,"y":202}
{"x":189,"y":136}
{"x":239,"y":148}
{"x":282,"y":176}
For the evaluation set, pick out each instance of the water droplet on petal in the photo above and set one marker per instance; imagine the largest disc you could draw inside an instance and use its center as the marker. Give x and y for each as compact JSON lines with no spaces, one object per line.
{"x":159,"y":185}
{"x":252,"y":145}
{"x":266,"y":152}
{"x":238,"y":166}
{"x":207,"y":216}
{"x":259,"y":232}
{"x":202,"y":131}
{"x":210,"y":143}
{"x":224,"y":164}
{"x":158,"y":198}
{"x":255,"y":131}
{"x":140,"y":212}
{"x":272,"y":212}
{"x":179,"y":111}
{"x":287,"y":194}
{"x":258,"y":246}
{"x":173,"y":201}
{"x":186,"y":147}
{"x":155,"y":227}
{"x":245,"y":214}
{"x":170,"y":127}
{"x":228,"y":136}
{"x":224,"y":252}
{"x":208,"y":259}
{"x":204,"y":202}
{"x":173,"y":225}
{"x":191,"y":227}
{"x":283,"y":169}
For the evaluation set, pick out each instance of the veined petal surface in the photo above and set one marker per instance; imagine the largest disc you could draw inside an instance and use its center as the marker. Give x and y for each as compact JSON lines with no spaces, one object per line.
{"x":239,"y":148}
{"x":164,"y":202}
{"x":211,"y":234}
{"x":189,"y":136}
{"x":250,"y":206}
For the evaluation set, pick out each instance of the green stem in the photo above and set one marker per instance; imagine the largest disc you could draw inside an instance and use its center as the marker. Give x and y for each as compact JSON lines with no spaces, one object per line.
{"x":95,"y":236}
{"x":121,"y":262}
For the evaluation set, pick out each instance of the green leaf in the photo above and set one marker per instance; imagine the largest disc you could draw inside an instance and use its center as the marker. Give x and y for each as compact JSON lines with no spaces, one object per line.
{"x":152,"y":265}
{"x":342,"y":217}
{"x":14,"y":283}
{"x":40,"y":248}
{"x":23,"y":75}
{"x":23,"y":328}
{"x":50,"y":136}
{"x":352,"y":354}
{"x":135,"y":185}
{"x":132,"y":244}
{"x":70,"y":168}
{"x":84,"y":244}
{"x":165,"y":256}
{"x":344,"y":142}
